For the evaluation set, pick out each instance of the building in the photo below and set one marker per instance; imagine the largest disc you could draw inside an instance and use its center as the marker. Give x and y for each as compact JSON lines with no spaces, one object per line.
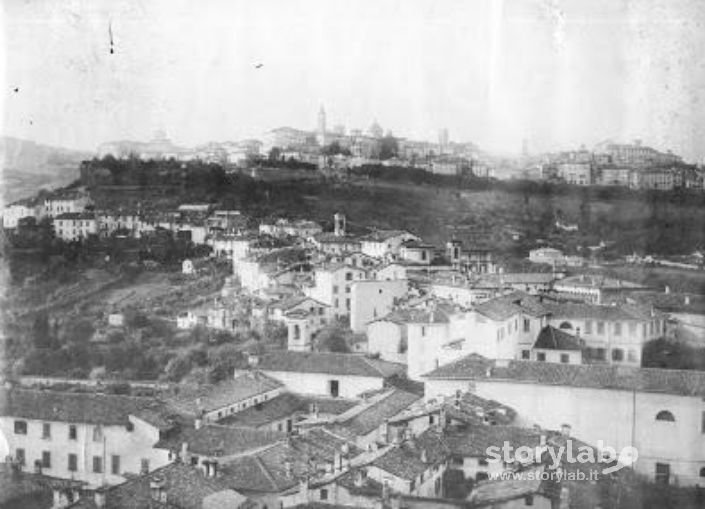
{"x":381,"y":243}
{"x":417,"y":252}
{"x":448,"y":165}
{"x":548,"y":255}
{"x":327,"y":374}
{"x":657,"y":411}
{"x":12,"y":213}
{"x":556,"y":345}
{"x":333,"y":286}
{"x":658,"y":179}
{"x":94,"y":438}
{"x":595,"y":289}
{"x":577,"y":173}
{"x":66,"y":202}
{"x":614,"y":176}
{"x":73,"y":226}
{"x":372,"y":299}
{"x":636,"y":154}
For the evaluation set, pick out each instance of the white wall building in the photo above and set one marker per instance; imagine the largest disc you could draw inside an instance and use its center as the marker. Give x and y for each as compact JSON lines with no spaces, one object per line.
{"x":373,"y":299}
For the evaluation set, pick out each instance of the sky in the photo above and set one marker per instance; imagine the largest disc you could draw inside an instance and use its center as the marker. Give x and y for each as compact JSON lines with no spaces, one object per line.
{"x":557,"y":73}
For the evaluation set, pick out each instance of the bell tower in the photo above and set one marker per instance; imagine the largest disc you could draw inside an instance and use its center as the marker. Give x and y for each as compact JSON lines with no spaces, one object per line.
{"x":321,"y":134}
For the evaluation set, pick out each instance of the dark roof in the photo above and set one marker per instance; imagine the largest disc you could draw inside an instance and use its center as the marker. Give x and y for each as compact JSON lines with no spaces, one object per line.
{"x":666,"y":381}
{"x":551,"y":338}
{"x":585,"y":311}
{"x":78,"y":407}
{"x":506,"y":306}
{"x":266,"y":412}
{"x":217,"y":440}
{"x":503,"y":490}
{"x":185,"y":486}
{"x":384,"y":235}
{"x":75,"y":215}
{"x":406,"y":460}
{"x":357,"y":422}
{"x":213,"y":397}
{"x":474,"y":440}
{"x":601,"y":281}
{"x":435,"y":314}
{"x":331,"y":363}
{"x":672,"y":302}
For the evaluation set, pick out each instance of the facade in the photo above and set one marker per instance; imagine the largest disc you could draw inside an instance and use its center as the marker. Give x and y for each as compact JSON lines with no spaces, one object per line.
{"x":577,"y":173}
{"x":12,"y":214}
{"x":333,"y":286}
{"x":381,"y":243}
{"x":615,"y":176}
{"x":373,"y":299}
{"x":546,"y":255}
{"x":69,"y":202}
{"x":658,"y":179}
{"x":417,"y":253}
{"x":659,"y":412}
{"x":73,"y":226}
{"x":92,"y":438}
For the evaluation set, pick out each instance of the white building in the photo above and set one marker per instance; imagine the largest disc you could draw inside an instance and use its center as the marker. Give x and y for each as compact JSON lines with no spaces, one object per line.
{"x":72,"y":226}
{"x":93,"y":438}
{"x":380,"y":243}
{"x":19,"y":210}
{"x":333,"y":286}
{"x":67,"y":202}
{"x":327,"y":374}
{"x":373,"y":299}
{"x":657,"y":411}
{"x":548,"y":255}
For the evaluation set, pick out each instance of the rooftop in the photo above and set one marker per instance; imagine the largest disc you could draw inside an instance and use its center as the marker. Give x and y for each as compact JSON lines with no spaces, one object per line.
{"x":77,"y":407}
{"x":383,"y":235}
{"x":491,"y":493}
{"x":216,"y":440}
{"x":365,"y":418}
{"x":551,"y":338}
{"x":586,"y":311}
{"x":504,"y":307}
{"x":330,"y":363}
{"x":593,"y":376}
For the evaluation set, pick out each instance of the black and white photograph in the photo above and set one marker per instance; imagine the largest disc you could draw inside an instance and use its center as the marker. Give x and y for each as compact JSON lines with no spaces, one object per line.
{"x":352,"y":254}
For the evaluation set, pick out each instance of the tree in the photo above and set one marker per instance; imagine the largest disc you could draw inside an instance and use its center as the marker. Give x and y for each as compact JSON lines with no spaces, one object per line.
{"x":388,"y":147}
{"x":333,"y":339}
{"x":274,"y":154}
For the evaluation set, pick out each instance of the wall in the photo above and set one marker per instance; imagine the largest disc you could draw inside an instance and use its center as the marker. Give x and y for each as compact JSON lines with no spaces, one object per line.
{"x":318,"y":383}
{"x":618,"y":418}
{"x":388,"y":339}
{"x":374,"y":299}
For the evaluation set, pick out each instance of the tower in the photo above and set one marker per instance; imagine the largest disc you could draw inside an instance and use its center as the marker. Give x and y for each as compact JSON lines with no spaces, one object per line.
{"x":339,"y":224}
{"x":443,"y":140}
{"x":321,"y":134}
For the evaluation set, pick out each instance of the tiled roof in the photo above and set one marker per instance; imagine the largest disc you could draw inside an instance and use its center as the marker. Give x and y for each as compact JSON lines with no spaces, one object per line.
{"x":474,"y":440}
{"x":585,"y":311}
{"x":89,"y":408}
{"x":280,"y":407}
{"x":493,"y":280}
{"x":672,"y":302}
{"x":331,"y":238}
{"x":417,"y":315}
{"x":217,"y":440}
{"x":405,"y":460}
{"x":367,"y":486}
{"x":229,"y":392}
{"x":551,"y":338}
{"x":665,"y":381}
{"x":75,"y":215}
{"x":295,"y":300}
{"x":601,"y":282}
{"x":186,"y":488}
{"x":366,"y":418}
{"x":331,"y":363}
{"x":495,"y":492}
{"x":384,"y":235}
{"x":505,"y":306}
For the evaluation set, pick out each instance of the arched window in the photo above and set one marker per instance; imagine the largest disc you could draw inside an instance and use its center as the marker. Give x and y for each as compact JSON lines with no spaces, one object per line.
{"x":565,"y":325}
{"x":665,"y":415}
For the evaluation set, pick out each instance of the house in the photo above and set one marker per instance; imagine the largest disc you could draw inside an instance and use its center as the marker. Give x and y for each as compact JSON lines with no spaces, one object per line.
{"x":177,"y":486}
{"x":596,"y":289}
{"x":63,"y":202}
{"x":459,"y":290}
{"x":73,"y":226}
{"x":578,"y":173}
{"x":533,"y":283}
{"x":12,"y":213}
{"x":94,"y":438}
{"x":372,"y":299}
{"x":333,"y":286}
{"x":555,"y":345}
{"x":327,"y":374}
{"x":548,"y":255}
{"x":391,"y":271}
{"x":330,"y":243}
{"x":380,"y":243}
{"x":614,"y":333}
{"x":123,"y":222}
{"x":212,"y":403}
{"x":387,"y":337}
{"x":657,"y":411}
{"x":615,"y":176}
{"x":528,"y":488}
{"x":413,"y":251}
{"x":365,"y":424}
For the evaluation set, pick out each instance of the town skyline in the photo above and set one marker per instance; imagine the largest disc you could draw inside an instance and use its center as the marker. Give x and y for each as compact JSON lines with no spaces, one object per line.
{"x":558,"y":74}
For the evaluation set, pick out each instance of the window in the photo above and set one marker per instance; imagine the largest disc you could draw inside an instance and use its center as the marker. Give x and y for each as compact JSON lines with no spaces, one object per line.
{"x":631,"y":356}
{"x":347,"y":304}
{"x":632,"y":329}
{"x":565,"y":358}
{"x":412,"y":486}
{"x":663,"y":473}
{"x":46,"y":430}
{"x":46,"y":459}
{"x":541,"y":357}
{"x":618,"y":355}
{"x":600,"y":354}
{"x":335,"y":288}
{"x":73,"y":463}
{"x":481,"y":476}
{"x":482,"y":462}
{"x":601,"y":328}
{"x":565,"y":325}
{"x":97,"y":434}
{"x":115,"y":464}
{"x":72,"y":432}
{"x":617,"y":329}
{"x":702,"y":423}
{"x":527,"y":325}
{"x":334,"y":388}
{"x":20,"y":456}
{"x":526,"y":354}
{"x":588,"y":327}
{"x":665,"y":415}
{"x":97,"y":464}
{"x":430,"y":419}
{"x":529,"y":500}
{"x":323,"y":494}
{"x":20,"y":427}
{"x":144,"y":466}
{"x":348,"y":276}
{"x":347,"y":289}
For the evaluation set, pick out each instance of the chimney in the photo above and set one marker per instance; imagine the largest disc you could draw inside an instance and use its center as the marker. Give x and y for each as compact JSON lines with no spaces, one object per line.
{"x":99,"y":497}
{"x":156,"y":489}
{"x":687,"y":300}
{"x":565,"y":430}
{"x":288,"y":469}
{"x":303,"y":489}
{"x":198,"y":422}
{"x":359,"y":478}
{"x":424,"y":456}
{"x":184,"y":452}
{"x":667,"y":290}
{"x":337,"y":462}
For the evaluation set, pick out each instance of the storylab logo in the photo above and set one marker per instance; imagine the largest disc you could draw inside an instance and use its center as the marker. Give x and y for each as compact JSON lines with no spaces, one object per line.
{"x":570,"y":453}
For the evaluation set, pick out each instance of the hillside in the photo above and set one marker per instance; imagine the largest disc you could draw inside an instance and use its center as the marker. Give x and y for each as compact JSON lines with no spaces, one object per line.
{"x":28,"y":166}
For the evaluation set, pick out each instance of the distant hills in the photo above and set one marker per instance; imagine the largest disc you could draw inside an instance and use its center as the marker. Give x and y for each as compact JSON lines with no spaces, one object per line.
{"x":28,"y":167}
